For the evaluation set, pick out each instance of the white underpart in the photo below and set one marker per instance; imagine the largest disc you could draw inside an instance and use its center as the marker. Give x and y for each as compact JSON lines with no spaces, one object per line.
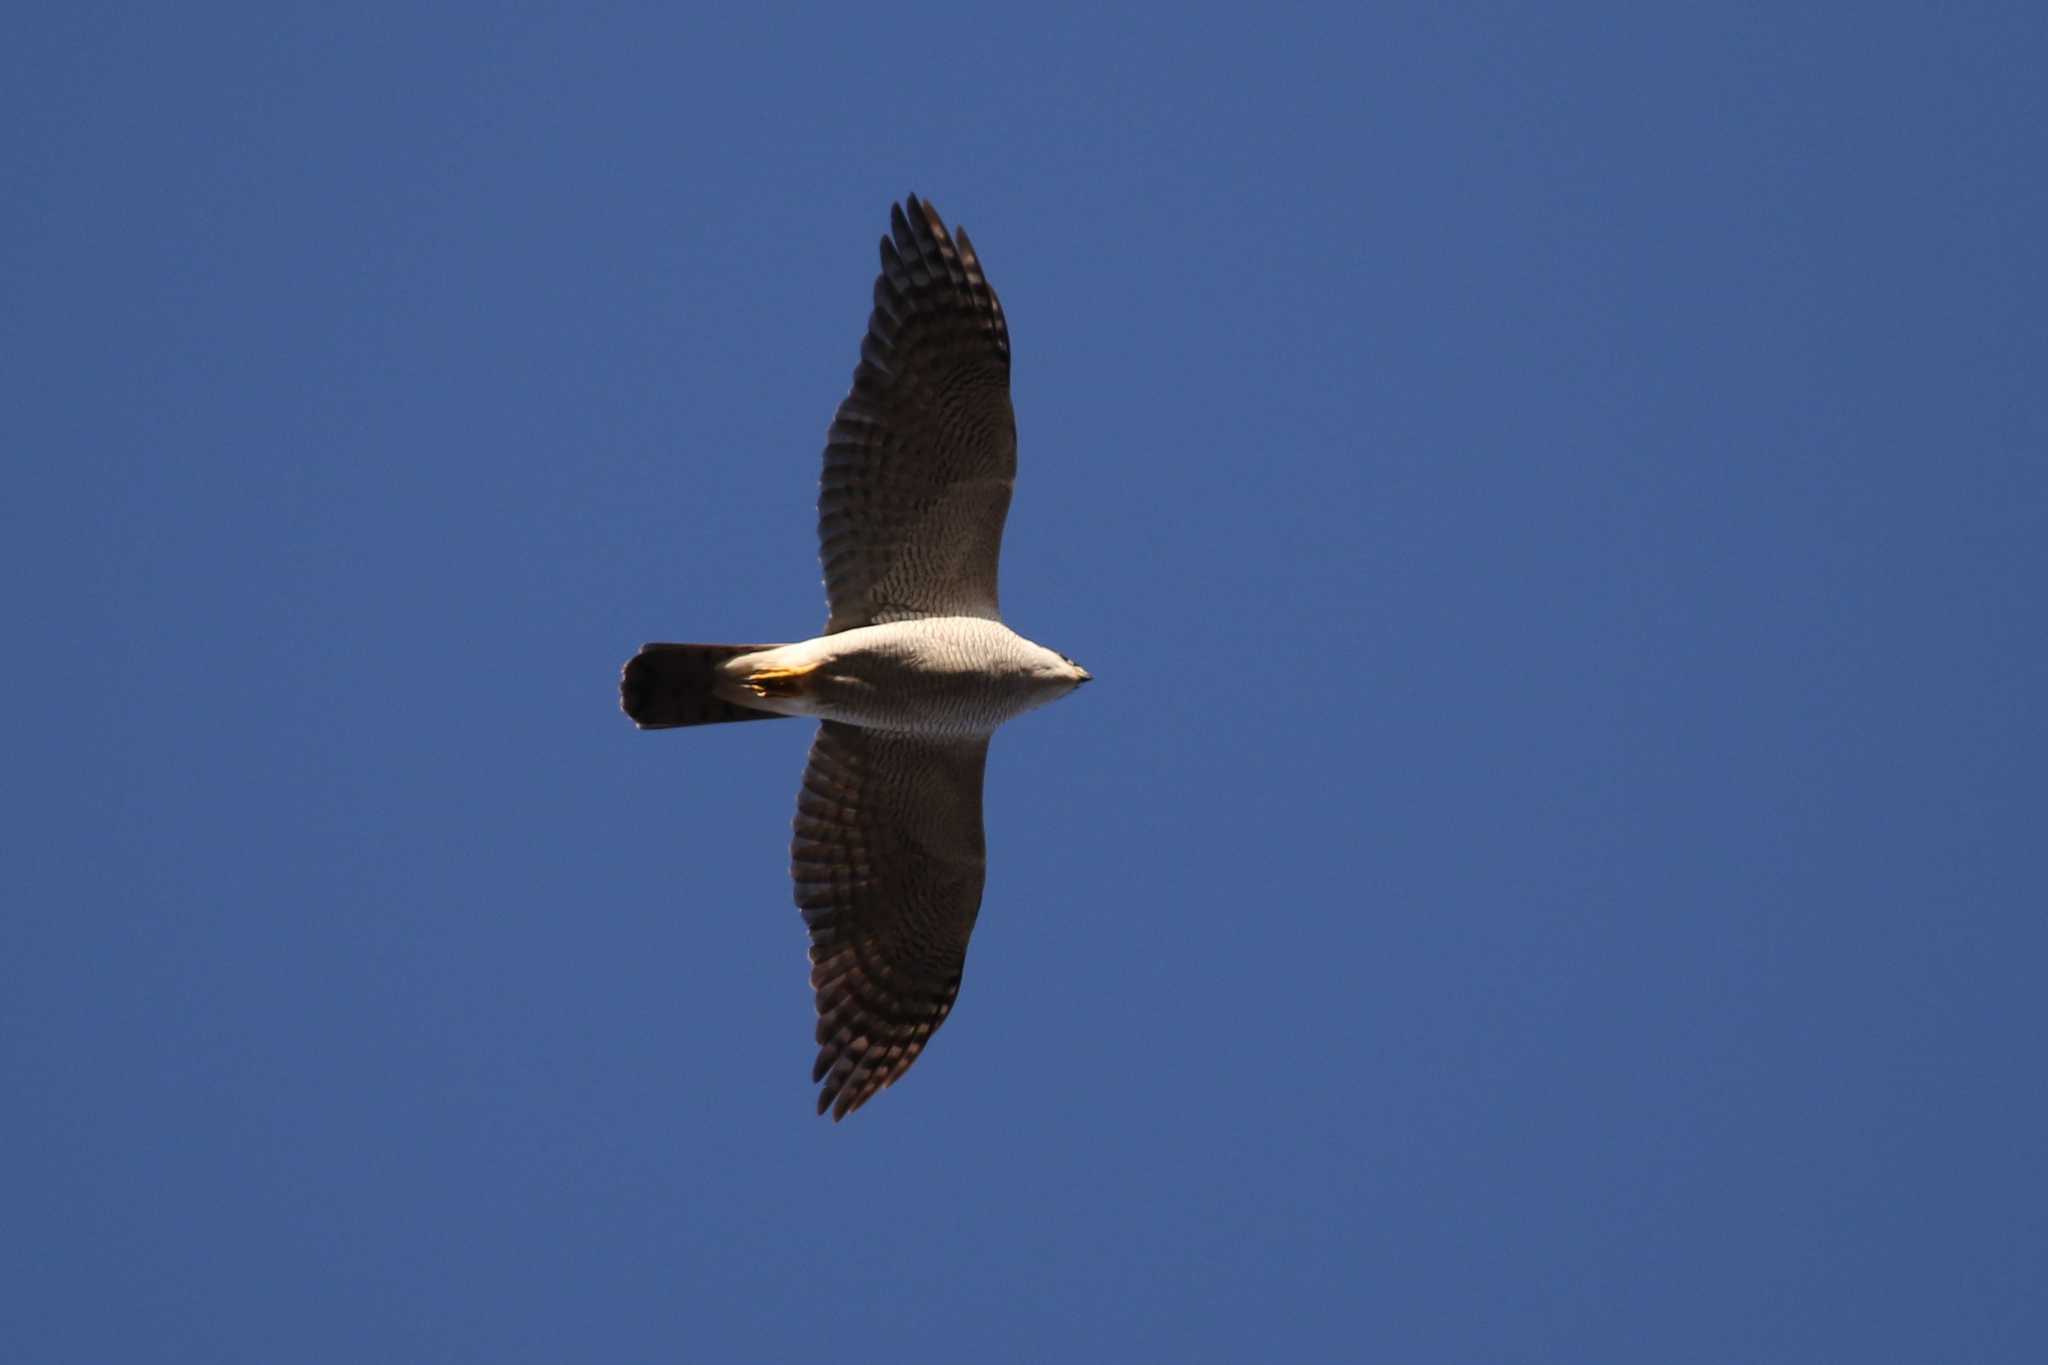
{"x":942,"y":675}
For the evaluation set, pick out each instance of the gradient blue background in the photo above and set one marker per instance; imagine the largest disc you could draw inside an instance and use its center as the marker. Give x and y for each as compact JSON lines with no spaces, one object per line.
{"x":1552,"y":866}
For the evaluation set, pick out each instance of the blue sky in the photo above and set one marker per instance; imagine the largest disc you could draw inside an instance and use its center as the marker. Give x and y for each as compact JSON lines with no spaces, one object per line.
{"x":1550,"y":869}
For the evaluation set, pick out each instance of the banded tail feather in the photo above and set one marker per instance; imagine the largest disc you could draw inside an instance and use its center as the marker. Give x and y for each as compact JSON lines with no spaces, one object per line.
{"x":669,"y":685}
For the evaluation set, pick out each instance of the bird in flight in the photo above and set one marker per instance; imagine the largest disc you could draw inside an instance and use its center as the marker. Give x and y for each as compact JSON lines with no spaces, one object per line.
{"x":913,"y":672}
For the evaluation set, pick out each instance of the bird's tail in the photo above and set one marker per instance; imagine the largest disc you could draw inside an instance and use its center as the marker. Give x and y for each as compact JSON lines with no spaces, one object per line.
{"x":669,"y":685}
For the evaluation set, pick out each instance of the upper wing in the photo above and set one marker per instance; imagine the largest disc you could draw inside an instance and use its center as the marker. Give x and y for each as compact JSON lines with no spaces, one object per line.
{"x":923,"y":451}
{"x":888,"y":860}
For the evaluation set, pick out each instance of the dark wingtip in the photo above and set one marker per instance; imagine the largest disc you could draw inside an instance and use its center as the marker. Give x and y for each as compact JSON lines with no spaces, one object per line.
{"x":927,"y":215}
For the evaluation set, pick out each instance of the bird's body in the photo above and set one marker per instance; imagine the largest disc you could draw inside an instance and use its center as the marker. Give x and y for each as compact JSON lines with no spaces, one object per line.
{"x":951,"y":676}
{"x":915,"y":670}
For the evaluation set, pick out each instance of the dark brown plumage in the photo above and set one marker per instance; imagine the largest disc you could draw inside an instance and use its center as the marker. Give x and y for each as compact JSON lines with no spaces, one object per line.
{"x":665,"y":686}
{"x":922,"y":455}
{"x":889,"y":862}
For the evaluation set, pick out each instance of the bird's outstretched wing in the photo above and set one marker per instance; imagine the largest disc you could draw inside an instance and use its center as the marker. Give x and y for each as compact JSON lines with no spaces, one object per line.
{"x":923,"y":452}
{"x":888,"y":860}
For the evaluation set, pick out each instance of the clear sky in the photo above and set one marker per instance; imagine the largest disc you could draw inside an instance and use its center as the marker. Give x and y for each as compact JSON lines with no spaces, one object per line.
{"x":1555,"y":499}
